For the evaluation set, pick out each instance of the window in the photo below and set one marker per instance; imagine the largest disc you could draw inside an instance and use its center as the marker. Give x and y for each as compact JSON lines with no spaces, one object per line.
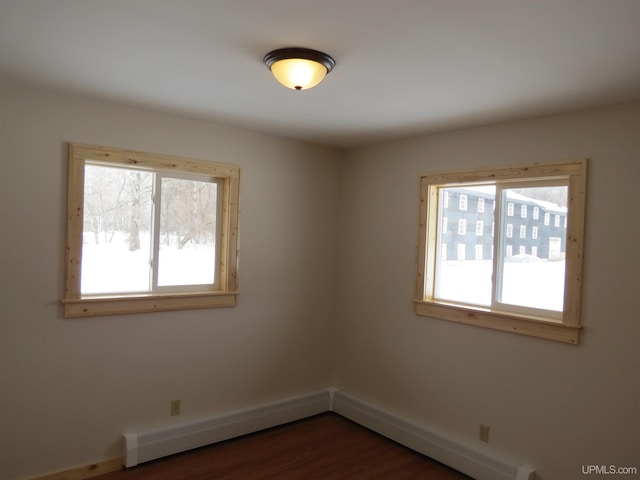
{"x":536,"y":213}
{"x":463,"y":201}
{"x":479,"y":228}
{"x":148,"y":232}
{"x":462,"y":227}
{"x":523,"y":211}
{"x":537,"y":294}
{"x":480,"y":205}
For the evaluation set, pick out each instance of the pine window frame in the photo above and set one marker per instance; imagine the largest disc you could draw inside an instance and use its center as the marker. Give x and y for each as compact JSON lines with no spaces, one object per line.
{"x":225,"y":295}
{"x":568,"y":327}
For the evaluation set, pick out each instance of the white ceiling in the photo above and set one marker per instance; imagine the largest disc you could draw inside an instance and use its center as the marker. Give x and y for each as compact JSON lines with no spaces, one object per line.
{"x":404,"y":67}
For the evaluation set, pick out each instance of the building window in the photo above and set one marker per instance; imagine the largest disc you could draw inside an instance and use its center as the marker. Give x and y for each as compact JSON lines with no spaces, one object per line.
{"x":534,"y":232}
{"x":480,"y":205}
{"x":546,"y":219}
{"x":523,"y":231}
{"x":556,"y":222}
{"x":445,"y":224}
{"x":149,"y":232}
{"x":479,"y":228}
{"x":536,"y":213}
{"x":462,"y":226}
{"x":521,"y":294}
{"x":523,"y":211}
{"x":478,"y":252}
{"x":463,"y":201}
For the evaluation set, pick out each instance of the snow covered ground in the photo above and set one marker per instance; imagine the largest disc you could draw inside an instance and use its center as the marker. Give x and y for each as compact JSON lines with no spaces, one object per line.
{"x":112,"y":268}
{"x":536,"y":284}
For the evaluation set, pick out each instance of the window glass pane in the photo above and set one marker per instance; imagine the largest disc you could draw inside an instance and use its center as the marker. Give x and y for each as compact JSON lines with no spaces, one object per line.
{"x":187,"y":243}
{"x":463,"y":263}
{"x":534,"y":277}
{"x":116,"y":239}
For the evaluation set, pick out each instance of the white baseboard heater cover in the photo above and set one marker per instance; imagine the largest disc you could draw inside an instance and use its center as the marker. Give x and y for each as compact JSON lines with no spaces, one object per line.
{"x":140,"y":447}
{"x":436,"y":445}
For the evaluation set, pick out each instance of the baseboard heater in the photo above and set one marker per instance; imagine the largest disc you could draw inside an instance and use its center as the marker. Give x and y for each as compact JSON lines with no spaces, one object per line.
{"x":140,"y":447}
{"x":436,"y":445}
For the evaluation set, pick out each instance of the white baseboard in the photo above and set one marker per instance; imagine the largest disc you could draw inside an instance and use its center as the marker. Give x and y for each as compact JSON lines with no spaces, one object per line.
{"x":463,"y":458}
{"x":140,"y":447}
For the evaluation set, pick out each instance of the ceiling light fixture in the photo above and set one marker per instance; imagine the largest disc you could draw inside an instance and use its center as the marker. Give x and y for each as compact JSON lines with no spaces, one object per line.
{"x":298,"y":68}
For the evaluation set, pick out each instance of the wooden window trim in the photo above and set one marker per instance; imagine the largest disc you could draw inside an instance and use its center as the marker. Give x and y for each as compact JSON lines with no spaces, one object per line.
{"x":567,"y":329}
{"x":78,"y":305}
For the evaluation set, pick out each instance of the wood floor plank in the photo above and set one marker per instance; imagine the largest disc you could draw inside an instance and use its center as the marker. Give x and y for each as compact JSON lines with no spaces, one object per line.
{"x":327,"y":447}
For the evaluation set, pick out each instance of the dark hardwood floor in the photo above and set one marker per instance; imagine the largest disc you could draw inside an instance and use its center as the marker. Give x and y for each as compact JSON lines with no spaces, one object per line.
{"x":327,"y":447}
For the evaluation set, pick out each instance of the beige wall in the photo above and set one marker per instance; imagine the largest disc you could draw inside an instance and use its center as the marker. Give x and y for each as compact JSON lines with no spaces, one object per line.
{"x":552,"y":405}
{"x":313,"y":221}
{"x":70,"y":388}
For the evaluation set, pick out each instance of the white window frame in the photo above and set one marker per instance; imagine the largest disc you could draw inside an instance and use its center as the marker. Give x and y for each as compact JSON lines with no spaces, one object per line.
{"x":462,"y":226}
{"x":224,"y":293}
{"x":463,"y":202}
{"x":566,"y":327}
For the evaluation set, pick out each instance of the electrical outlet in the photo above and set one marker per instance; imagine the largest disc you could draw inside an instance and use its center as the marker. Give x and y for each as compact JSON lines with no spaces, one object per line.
{"x":175,"y":408}
{"x":484,"y":433}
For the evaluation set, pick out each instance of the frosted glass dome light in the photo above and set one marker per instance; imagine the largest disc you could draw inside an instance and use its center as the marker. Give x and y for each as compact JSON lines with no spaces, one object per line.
{"x":299,"y":68}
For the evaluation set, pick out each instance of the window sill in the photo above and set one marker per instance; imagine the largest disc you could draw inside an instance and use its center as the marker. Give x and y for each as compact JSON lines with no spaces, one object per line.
{"x":522,"y":325}
{"x":91,"y":306}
